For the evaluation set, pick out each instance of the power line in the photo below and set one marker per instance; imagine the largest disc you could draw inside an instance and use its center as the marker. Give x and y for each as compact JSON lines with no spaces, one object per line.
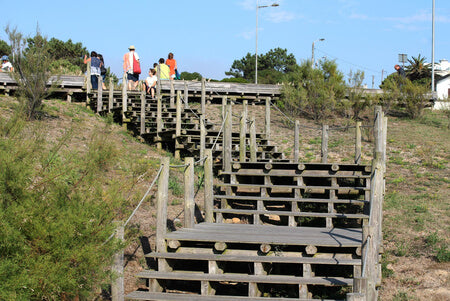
{"x":347,"y":62}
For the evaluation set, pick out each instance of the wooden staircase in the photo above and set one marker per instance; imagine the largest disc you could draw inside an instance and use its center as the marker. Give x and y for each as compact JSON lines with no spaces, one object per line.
{"x":280,"y":231}
{"x":273,"y":228}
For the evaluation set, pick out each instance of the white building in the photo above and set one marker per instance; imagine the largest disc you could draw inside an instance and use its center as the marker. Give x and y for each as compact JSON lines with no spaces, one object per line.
{"x":442,"y":73}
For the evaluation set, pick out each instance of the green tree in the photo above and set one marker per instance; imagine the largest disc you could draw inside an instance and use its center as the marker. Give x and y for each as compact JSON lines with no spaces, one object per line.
{"x":403,"y":96}
{"x":56,"y":213}
{"x":67,"y":57}
{"x":271,"y":66}
{"x":32,"y":70}
{"x":418,"y":69}
{"x":190,"y":76}
{"x":5,"y":49}
{"x":313,"y":93}
{"x":356,"y":99}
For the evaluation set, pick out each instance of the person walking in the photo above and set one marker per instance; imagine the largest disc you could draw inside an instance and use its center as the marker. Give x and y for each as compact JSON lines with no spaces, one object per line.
{"x":128,"y":68}
{"x":172,"y":63}
{"x":95,"y":68}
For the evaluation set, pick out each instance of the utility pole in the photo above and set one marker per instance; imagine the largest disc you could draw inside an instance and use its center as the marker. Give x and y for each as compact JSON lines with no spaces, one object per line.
{"x":382,"y":75}
{"x":433,"y":88}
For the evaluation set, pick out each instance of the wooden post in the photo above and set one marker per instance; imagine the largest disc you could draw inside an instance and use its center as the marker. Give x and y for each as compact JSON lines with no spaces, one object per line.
{"x":203,"y":98}
{"x":178,"y":126}
{"x":267,"y":120}
{"x":159,"y":122}
{"x":324,"y":152}
{"x":384,"y":139}
{"x":242,"y":134}
{"x":253,"y":146}
{"x":378,"y":133}
{"x":359,"y":285}
{"x":227,"y":140}
{"x":111,"y":95}
{"x":224,"y":107}
{"x":158,"y":82}
{"x":356,"y":297}
{"x":189,"y":193}
{"x":186,"y":95}
{"x":202,"y":136}
{"x":358,"y":143}
{"x":100,"y":94}
{"x":209,"y":186}
{"x":172,"y":94}
{"x":117,"y":287}
{"x":297,"y":141}
{"x":88,"y":84}
{"x":124,"y":93}
{"x":142,"y":116}
{"x":162,"y":200}
{"x":370,"y":259}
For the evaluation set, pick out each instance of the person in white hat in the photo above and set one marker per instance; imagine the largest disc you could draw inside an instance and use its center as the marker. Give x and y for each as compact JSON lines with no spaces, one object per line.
{"x":6,"y":64}
{"x":132,"y":76}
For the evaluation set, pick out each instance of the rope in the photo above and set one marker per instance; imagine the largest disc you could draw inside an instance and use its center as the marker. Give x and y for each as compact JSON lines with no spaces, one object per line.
{"x":137,"y":207}
{"x":220,"y":131}
{"x":143,"y":198}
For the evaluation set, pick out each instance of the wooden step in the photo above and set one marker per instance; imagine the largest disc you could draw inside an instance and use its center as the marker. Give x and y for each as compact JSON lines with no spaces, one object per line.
{"x":229,"y":277}
{"x":146,"y":295}
{"x":269,"y":258}
{"x":288,"y":199}
{"x":273,"y":235}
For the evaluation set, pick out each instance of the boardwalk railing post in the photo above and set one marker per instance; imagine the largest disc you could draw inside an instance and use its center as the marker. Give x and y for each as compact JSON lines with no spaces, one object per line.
{"x":111,"y":95}
{"x":202,"y":136}
{"x":143,"y":108}
{"x":242,"y":134}
{"x":189,"y":193}
{"x":267,"y":120}
{"x":296,"y":141}
{"x":224,"y":107}
{"x":324,"y":149}
{"x":162,"y":199}
{"x":117,"y":287}
{"x":203,"y":98}
{"x":124,"y":93}
{"x":178,"y":126}
{"x":209,"y":186}
{"x":370,"y":258}
{"x":186,"y":95}
{"x":100,"y":94}
{"x":358,"y":143}
{"x":158,"y":82}
{"x":159,"y":123}
{"x":227,"y":140}
{"x":172,"y":94}
{"x":88,"y":84}
{"x":253,"y":146}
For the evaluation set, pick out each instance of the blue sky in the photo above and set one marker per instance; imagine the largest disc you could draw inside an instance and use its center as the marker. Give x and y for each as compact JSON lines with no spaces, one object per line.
{"x":206,"y":36}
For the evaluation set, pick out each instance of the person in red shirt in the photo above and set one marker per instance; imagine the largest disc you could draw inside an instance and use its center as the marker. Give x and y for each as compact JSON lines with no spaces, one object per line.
{"x":172,"y":63}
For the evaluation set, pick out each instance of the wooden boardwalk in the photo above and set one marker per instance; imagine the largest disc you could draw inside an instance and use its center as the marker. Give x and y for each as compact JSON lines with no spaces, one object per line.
{"x":272,"y":228}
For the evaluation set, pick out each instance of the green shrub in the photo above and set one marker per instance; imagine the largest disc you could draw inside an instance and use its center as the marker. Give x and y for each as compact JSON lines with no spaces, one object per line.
{"x":56,"y":215}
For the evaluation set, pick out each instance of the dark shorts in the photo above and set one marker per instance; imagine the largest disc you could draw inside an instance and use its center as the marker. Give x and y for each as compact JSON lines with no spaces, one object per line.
{"x":133,"y":77}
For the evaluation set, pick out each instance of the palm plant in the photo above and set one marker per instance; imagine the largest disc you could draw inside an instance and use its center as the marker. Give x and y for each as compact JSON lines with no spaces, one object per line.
{"x":418,"y":68}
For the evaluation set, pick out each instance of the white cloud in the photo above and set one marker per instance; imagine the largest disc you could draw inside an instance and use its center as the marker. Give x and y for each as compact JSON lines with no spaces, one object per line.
{"x":279,"y":16}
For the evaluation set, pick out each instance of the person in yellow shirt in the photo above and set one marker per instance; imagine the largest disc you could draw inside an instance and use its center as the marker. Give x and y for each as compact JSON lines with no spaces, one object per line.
{"x":164,"y":70}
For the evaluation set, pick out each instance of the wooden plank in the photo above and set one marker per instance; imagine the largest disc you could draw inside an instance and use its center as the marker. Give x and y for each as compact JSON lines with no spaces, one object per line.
{"x":270,"y":258}
{"x":274,"y":279}
{"x":287,"y":199}
{"x":290,"y":213}
{"x":145,"y":295}
{"x":258,"y":234}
